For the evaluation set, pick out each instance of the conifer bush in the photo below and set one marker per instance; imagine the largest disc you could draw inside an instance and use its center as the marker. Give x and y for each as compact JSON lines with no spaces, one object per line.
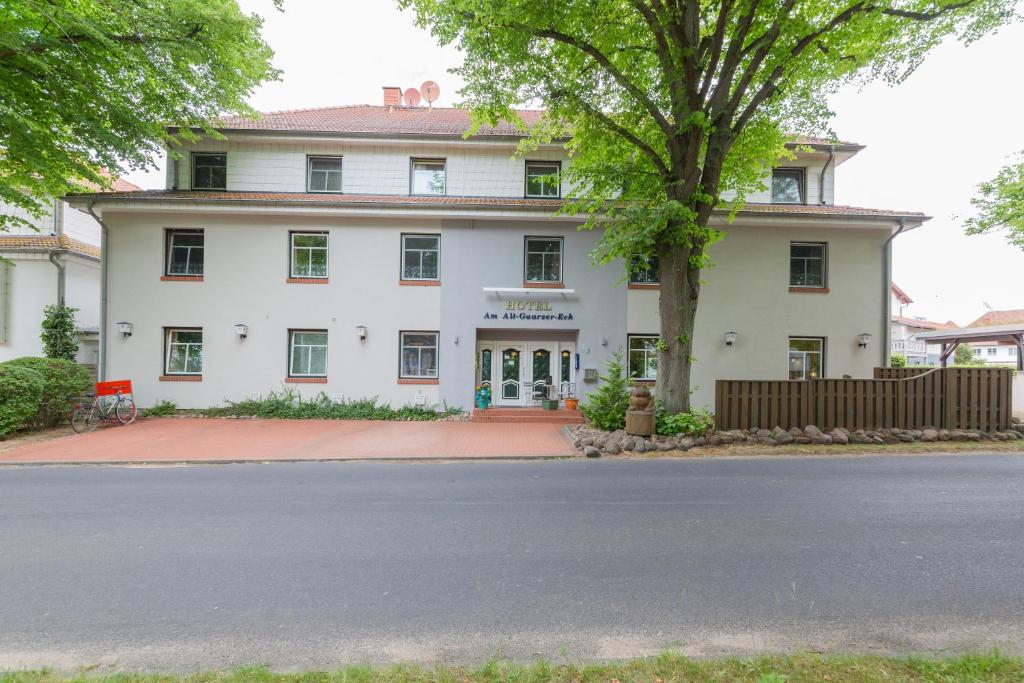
{"x":606,"y":407}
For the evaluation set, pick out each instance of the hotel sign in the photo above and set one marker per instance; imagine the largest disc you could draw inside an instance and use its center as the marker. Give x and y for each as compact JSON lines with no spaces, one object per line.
{"x":528,"y":309}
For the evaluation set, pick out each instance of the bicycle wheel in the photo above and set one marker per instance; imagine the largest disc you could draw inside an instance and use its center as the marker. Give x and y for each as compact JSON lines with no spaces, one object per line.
{"x":85,"y":419}
{"x":125,"y":411}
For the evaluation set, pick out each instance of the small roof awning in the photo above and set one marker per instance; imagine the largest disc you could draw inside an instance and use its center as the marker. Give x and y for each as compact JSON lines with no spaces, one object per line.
{"x":952,"y":338}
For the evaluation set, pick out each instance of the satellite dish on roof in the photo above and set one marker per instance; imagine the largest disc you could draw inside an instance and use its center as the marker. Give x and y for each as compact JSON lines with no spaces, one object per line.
{"x":430,"y":91}
{"x":411,"y":96}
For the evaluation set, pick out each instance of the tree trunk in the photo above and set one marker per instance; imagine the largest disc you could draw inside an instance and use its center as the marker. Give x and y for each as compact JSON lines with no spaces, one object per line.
{"x":677,"y":304}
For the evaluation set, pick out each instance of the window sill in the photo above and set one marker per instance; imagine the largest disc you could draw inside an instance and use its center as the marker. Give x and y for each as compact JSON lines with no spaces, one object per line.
{"x":181,"y":278}
{"x":419,"y":283}
{"x":418,"y":380}
{"x":808,"y":290}
{"x":644,"y":285}
{"x":544,"y":285}
{"x":181,"y":378}
{"x":308,"y":281}
{"x":305,"y":380}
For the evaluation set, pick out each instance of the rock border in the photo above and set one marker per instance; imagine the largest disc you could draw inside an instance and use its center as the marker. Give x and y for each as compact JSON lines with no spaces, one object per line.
{"x":594,"y":443}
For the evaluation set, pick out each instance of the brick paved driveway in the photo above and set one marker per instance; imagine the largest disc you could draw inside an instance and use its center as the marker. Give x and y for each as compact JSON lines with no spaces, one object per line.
{"x":213,"y":440}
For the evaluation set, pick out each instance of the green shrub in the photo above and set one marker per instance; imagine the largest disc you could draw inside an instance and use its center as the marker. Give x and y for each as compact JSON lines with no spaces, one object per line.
{"x":161,"y":409}
{"x":898,"y":360}
{"x":21,"y":392}
{"x":694,"y":423}
{"x":58,"y":333}
{"x":606,"y":407}
{"x":63,"y":382}
{"x":288,"y":404}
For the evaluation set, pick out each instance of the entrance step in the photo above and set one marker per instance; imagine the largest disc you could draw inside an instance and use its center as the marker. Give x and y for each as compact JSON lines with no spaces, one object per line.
{"x":528,"y":415}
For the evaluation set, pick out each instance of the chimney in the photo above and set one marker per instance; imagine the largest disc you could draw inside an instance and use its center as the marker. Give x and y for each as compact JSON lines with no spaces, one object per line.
{"x":392,"y":96}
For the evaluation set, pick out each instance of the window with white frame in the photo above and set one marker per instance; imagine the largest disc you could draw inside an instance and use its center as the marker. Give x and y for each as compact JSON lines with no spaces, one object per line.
{"x":418,"y":355}
{"x":977,"y":351}
{"x":185,"y":252}
{"x":543,"y":179}
{"x":807,"y":264}
{"x":420,"y":256}
{"x":428,"y":176}
{"x":543,"y":260}
{"x":643,"y":356}
{"x":309,"y":254}
{"x":323,"y":174}
{"x":993,"y":350}
{"x":806,"y":357}
{"x":184,"y":351}
{"x":209,"y":171}
{"x":787,"y":186}
{"x":643,"y":270}
{"x":307,"y":353}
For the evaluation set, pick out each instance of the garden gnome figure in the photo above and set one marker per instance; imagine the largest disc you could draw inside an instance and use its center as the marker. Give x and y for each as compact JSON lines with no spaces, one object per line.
{"x":640,"y":416}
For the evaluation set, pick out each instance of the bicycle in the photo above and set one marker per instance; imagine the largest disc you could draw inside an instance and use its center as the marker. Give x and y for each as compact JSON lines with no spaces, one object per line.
{"x":87,"y":417}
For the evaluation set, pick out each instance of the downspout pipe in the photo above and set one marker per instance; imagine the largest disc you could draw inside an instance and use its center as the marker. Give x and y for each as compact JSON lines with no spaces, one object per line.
{"x":101,"y":371}
{"x":824,"y":169}
{"x":54,"y":257}
{"x":887,"y":295}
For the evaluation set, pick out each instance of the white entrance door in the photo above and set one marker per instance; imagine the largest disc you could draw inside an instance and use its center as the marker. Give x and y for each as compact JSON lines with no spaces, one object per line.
{"x":485,"y":365}
{"x":567,"y":369}
{"x":510,"y":375}
{"x":542,"y":368}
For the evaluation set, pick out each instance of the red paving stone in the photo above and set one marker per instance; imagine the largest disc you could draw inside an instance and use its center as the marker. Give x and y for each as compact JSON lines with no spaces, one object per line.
{"x":213,"y":440}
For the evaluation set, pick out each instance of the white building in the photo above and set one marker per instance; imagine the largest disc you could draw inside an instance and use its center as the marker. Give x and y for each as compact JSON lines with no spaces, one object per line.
{"x":905,"y":328}
{"x":374,"y":251}
{"x":997,"y":352}
{"x":55,"y":255}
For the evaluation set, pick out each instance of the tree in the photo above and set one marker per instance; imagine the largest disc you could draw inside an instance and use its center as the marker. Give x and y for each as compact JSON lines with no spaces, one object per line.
{"x":90,"y":86}
{"x":1000,"y":204}
{"x":964,"y":355}
{"x":670,"y":103}
{"x":898,"y":360}
{"x":606,"y":406}
{"x":58,"y":333}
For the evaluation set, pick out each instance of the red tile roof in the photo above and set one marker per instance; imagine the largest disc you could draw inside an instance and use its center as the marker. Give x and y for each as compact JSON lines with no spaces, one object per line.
{"x":385,"y":200}
{"x":47,"y":242}
{"x":900,"y":294}
{"x":1009,"y":317}
{"x":924,"y":324}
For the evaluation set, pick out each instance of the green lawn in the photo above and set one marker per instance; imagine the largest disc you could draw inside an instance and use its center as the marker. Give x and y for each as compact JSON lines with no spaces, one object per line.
{"x":666,"y":668}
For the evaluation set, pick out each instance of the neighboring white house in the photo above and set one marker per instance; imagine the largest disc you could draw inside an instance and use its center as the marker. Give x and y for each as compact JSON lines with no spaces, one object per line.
{"x":904,"y":330}
{"x":375,"y":251}
{"x":997,"y":352}
{"x":56,"y":253}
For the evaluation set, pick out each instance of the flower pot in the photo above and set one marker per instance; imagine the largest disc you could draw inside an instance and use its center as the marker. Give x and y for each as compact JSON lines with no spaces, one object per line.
{"x":572,"y":403}
{"x":549,"y":403}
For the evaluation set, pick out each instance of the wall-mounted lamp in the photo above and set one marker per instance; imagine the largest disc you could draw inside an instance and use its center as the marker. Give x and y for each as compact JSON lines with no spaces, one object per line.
{"x":604,"y":342}
{"x":730,"y":338}
{"x":242,"y":330}
{"x":862,"y":340}
{"x":361,"y":332}
{"x":456,"y":341}
{"x":125,"y":328}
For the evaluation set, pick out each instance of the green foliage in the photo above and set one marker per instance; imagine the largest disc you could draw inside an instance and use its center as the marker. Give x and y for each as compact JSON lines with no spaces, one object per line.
{"x":964,"y":355}
{"x":161,"y":409}
{"x":58,"y":333}
{"x":288,"y":404}
{"x":605,"y":408}
{"x":1000,"y":204}
{"x":21,"y":392}
{"x":90,"y":85}
{"x":64,"y":381}
{"x":898,"y":360}
{"x":690,"y":423}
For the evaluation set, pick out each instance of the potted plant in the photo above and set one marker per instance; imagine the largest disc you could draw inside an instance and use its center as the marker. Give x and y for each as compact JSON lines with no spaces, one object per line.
{"x":572,"y":403}
{"x":549,"y":403}
{"x":483,"y":396}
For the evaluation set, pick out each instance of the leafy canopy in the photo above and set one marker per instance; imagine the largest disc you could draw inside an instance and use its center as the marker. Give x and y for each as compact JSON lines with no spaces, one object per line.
{"x":1000,"y":205}
{"x":87,"y":85}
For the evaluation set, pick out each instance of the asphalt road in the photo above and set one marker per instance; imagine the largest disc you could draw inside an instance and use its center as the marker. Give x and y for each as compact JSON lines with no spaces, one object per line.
{"x":319,"y":564}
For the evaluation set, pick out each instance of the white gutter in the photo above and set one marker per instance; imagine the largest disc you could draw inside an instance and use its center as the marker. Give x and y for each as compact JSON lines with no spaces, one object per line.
{"x":887,"y":297}
{"x":101,"y":369}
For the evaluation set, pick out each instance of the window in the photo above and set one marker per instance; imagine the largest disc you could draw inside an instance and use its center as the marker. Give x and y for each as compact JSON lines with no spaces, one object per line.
{"x":209,"y":171}
{"x":543,"y":179}
{"x":324,"y":174}
{"x":992,"y":350}
{"x":643,"y":357}
{"x":309,"y":254}
{"x":418,"y":355}
{"x":806,"y":357}
{"x":184,"y":355}
{"x":420,"y":256}
{"x":184,"y":252}
{"x":428,"y":176}
{"x":307,"y":351}
{"x":977,"y":351}
{"x":543,"y":259}
{"x":807,"y":264}
{"x":644,"y":271}
{"x":787,"y":185}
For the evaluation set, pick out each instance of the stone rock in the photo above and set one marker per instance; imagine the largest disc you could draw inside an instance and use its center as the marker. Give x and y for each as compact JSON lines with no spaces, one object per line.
{"x":612,"y":448}
{"x":905,"y":437}
{"x":783,"y":437}
{"x":929,"y":435}
{"x":878,"y":439}
{"x":763,"y":433}
{"x":957,"y":435}
{"x":665,"y":446}
{"x":639,"y":444}
{"x":577,"y":443}
{"x":973,"y":435}
{"x":811,"y":431}
{"x":844,"y":430}
{"x":591,"y":452}
{"x":796,"y":431}
{"x":686,"y":443}
{"x":587,"y":441}
{"x":839,"y":437}
{"x":1016,"y":420}
{"x":1011,"y":435}
{"x":916,"y":433}
{"x":823,"y":439}
{"x":700,"y":441}
{"x":627,"y":444}
{"x":943,"y":435}
{"x":802,"y":439}
{"x":767,"y":441}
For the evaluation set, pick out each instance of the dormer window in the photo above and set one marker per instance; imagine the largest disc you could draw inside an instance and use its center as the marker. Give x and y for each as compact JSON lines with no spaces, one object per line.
{"x":543,"y":179}
{"x":788,"y":186}
{"x":428,"y":177}
{"x":324,"y":174}
{"x":209,"y":171}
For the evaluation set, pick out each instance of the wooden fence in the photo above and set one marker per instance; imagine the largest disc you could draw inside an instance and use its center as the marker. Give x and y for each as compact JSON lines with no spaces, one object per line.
{"x":908,"y":398}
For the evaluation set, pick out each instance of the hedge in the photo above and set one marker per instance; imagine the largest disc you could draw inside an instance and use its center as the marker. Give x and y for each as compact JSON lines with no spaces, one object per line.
{"x":21,"y":393}
{"x":63,"y":382}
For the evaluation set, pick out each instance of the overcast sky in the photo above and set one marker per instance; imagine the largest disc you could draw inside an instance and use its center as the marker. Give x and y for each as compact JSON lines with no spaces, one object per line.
{"x":930,"y":141}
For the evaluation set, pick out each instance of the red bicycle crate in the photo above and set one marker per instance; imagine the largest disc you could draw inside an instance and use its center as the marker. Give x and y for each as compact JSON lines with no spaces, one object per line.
{"x":111,"y":388}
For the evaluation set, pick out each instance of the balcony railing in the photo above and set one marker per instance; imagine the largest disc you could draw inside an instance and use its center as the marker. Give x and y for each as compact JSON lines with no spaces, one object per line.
{"x":906,"y":346}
